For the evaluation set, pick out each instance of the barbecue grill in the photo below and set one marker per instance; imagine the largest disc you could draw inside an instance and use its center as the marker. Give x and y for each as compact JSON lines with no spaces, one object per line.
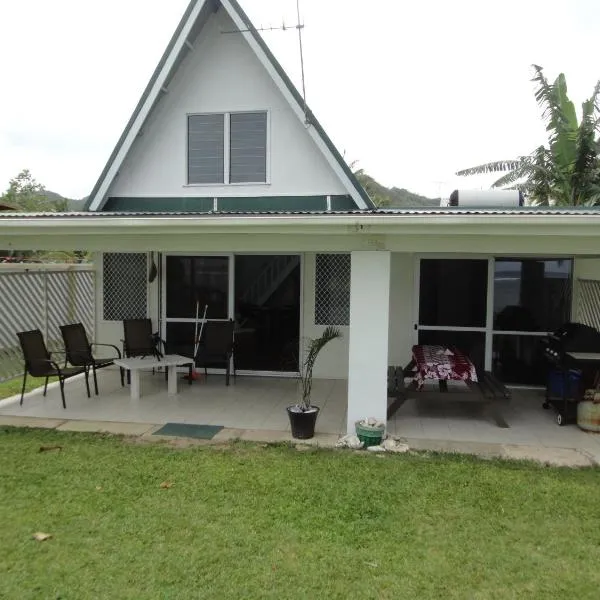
{"x":567,"y":377}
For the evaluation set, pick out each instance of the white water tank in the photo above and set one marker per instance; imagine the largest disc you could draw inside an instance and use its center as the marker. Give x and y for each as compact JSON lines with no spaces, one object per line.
{"x":486,"y":198}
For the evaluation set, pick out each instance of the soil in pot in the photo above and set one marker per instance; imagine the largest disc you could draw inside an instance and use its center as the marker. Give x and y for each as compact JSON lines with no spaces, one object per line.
{"x":303,"y":422}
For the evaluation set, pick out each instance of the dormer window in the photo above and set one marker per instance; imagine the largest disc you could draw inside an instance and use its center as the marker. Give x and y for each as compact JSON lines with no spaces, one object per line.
{"x":227,"y":148}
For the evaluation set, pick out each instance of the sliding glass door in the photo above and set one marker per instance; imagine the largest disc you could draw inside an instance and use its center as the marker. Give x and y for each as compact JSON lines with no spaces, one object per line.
{"x":496,"y":310}
{"x":195,"y":281}
{"x":532,"y":297}
{"x":261,"y":293}
{"x":453,"y":304}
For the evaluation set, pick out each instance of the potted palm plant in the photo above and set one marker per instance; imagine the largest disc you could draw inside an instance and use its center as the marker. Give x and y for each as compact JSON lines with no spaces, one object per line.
{"x":303,"y":416}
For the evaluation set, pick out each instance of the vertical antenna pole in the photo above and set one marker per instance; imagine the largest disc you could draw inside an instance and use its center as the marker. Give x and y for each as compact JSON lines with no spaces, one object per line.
{"x":299,"y":27}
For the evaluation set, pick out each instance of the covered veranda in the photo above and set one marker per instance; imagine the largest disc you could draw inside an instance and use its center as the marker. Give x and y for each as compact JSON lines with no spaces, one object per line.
{"x":379,"y":324}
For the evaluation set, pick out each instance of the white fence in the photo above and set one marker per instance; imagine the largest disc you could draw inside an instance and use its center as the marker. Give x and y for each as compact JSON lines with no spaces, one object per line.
{"x":37,"y":296}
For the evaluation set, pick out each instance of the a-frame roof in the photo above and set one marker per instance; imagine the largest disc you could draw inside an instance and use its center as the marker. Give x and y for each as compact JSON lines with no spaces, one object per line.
{"x":192,"y":22}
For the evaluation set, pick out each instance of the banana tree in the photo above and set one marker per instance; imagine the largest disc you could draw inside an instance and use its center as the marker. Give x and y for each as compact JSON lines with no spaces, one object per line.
{"x":566,"y":172}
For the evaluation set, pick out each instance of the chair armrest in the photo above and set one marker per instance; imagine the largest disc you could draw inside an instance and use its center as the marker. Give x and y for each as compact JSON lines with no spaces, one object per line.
{"x":48,"y":361}
{"x":109,"y":346}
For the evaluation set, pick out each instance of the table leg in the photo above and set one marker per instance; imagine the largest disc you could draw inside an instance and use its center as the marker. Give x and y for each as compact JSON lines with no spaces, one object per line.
{"x":172,"y":383}
{"x":135,"y":384}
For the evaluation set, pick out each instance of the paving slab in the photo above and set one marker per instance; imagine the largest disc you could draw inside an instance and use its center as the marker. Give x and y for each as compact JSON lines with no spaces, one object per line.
{"x":228,"y":434}
{"x":106,"y":427}
{"x":559,"y":457}
{"x":263,"y":435}
{"x":30,"y":422}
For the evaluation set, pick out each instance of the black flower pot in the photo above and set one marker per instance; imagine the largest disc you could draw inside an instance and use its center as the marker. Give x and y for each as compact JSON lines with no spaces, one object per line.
{"x":303,"y":422}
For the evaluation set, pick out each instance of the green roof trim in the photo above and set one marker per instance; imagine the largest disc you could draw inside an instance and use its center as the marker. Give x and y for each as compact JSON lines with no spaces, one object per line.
{"x":233,"y":204}
{"x":213,"y":5}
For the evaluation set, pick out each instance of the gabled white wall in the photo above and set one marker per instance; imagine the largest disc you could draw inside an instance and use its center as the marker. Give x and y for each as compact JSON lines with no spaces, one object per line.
{"x":222,"y":74}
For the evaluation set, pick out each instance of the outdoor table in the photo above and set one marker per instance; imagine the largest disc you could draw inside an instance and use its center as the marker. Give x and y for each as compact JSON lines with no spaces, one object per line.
{"x":136,"y":364}
{"x":441,"y":364}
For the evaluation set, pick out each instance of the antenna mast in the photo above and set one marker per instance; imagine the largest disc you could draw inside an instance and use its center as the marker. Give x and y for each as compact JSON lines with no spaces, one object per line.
{"x":300,"y":27}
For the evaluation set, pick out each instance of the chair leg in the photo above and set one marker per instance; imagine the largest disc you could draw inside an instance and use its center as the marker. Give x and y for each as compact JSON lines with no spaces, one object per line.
{"x":95,"y":379}
{"x":190,"y":374}
{"x":46,"y":385}
{"x":62,"y":391}
{"x":122,"y":376}
{"x":227,"y":374}
{"x":87,"y":382}
{"x":23,"y":388}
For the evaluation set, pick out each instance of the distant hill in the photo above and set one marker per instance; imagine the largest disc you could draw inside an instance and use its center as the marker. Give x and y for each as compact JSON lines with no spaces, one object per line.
{"x":393,"y":197}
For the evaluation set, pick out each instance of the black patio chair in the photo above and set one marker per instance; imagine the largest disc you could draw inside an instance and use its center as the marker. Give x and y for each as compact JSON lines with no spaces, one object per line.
{"x":78,"y":350}
{"x":39,"y":363}
{"x":216,"y":349}
{"x":138,"y":340}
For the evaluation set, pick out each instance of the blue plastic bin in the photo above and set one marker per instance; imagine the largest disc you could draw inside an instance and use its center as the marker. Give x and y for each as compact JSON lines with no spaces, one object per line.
{"x":556,"y":382}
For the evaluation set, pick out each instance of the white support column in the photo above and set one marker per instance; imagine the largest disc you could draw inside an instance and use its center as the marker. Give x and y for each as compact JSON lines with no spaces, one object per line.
{"x":369,"y":325}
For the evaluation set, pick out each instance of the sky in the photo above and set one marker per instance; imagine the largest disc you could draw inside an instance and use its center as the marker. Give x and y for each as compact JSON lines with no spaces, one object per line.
{"x":409,"y":91}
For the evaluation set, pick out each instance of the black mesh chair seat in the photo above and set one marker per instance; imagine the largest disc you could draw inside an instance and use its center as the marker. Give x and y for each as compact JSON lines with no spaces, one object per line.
{"x":39,"y":363}
{"x":79,"y":351}
{"x":216,"y":349}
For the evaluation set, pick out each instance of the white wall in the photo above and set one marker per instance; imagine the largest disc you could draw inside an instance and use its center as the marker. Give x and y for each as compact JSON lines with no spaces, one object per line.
{"x":222,"y":74}
{"x":402,"y":309}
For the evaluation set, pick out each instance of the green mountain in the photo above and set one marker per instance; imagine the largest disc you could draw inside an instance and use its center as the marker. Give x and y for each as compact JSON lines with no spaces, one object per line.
{"x":393,"y":197}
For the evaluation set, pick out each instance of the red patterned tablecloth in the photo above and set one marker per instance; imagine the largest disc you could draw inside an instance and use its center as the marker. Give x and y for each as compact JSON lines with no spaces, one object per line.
{"x":439,"y":362}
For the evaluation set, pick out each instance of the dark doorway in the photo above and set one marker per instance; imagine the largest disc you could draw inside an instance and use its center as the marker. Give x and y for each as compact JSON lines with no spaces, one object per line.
{"x":267,"y":312}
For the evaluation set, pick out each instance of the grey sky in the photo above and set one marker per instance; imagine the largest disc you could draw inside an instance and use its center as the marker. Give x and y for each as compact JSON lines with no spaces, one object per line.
{"x":413,"y":91}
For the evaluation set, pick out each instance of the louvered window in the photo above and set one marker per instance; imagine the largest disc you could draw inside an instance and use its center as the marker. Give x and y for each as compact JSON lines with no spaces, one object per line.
{"x":248,"y":148}
{"x":206,"y":149}
{"x":227,"y":148}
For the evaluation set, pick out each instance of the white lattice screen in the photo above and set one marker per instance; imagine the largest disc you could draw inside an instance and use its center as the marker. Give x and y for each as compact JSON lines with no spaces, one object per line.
{"x":332,"y":289}
{"x":588,"y":302}
{"x":124,"y":286}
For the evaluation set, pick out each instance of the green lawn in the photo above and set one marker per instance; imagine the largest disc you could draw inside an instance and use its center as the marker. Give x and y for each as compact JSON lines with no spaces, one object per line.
{"x":13,"y":386}
{"x":244,"y":521}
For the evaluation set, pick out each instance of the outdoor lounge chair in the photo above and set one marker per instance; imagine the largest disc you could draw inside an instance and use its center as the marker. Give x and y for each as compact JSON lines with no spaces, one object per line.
{"x":216,"y":349}
{"x":39,"y":363}
{"x":79,"y":353}
{"x":139,"y":340}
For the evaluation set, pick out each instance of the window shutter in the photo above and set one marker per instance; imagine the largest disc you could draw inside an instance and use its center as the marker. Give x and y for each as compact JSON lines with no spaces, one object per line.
{"x":248,"y":151}
{"x":206,"y":148}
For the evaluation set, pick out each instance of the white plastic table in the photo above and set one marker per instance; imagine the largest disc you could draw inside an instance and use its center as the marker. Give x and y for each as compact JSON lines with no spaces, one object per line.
{"x":136,"y":364}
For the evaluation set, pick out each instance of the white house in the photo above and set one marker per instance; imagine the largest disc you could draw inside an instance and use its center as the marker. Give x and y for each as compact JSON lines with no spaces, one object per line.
{"x":224,"y":181}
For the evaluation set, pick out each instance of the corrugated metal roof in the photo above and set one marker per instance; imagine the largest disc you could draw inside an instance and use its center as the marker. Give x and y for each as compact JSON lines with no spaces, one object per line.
{"x":441,"y":211}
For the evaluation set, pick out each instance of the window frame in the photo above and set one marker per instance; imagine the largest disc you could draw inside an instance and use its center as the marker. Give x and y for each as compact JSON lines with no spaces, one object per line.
{"x":227,"y":149}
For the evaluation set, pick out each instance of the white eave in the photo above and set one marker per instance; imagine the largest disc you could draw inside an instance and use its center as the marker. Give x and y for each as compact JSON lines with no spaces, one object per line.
{"x":440,"y":224}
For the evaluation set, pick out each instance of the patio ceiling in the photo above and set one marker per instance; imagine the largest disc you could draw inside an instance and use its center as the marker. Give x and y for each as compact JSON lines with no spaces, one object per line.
{"x":565,"y":233}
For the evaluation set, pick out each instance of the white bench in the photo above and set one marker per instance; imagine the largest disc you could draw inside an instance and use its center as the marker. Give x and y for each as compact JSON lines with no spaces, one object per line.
{"x":136,"y":364}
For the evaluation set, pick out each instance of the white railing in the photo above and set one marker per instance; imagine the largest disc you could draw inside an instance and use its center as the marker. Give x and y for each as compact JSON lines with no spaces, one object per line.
{"x":42,"y":296}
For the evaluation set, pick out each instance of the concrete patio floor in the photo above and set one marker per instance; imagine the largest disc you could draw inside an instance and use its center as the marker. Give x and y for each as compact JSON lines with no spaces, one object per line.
{"x":254,"y":409}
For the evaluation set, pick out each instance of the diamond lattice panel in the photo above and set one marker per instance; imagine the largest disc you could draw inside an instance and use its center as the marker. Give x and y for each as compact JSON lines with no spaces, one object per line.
{"x":124,"y":288}
{"x":332,"y":289}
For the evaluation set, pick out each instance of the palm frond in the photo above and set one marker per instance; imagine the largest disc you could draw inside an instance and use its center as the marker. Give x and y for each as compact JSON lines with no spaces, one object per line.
{"x":497,"y":166}
{"x":313,"y":349}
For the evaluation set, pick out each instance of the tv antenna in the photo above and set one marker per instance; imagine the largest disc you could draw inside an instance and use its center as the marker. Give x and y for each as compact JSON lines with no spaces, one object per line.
{"x":299,"y":26}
